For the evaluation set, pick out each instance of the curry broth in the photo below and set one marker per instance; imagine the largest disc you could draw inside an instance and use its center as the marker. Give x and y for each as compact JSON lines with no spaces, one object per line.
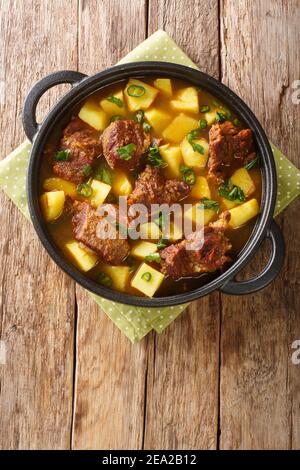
{"x":61,"y":229}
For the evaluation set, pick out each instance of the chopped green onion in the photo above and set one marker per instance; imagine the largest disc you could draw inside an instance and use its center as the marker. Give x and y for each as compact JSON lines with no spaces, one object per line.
{"x":236,"y":122}
{"x":220,"y":117}
{"x":126,"y":151}
{"x":104,"y":174}
{"x":203,"y":123}
{"x":231,"y":192}
{"x":155,"y":158}
{"x":116,"y":101}
{"x":210,"y":204}
{"x":139,"y":116}
{"x":105,"y":279}
{"x":147,"y":128}
{"x":162,"y":244}
{"x":146,"y":276}
{"x":84,"y":189}
{"x":116,"y":117}
{"x":136,"y":91}
{"x":204,"y":109}
{"x":62,"y":155}
{"x":191,"y":137}
{"x":153,"y":257}
{"x":252,"y":163}
{"x":188,"y":175}
{"x":87,"y":170}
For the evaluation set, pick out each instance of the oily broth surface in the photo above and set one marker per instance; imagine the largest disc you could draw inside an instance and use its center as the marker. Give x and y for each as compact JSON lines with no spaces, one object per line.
{"x":61,"y":230}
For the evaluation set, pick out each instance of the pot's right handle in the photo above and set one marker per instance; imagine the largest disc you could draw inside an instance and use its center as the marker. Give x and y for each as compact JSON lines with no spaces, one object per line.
{"x":29,"y":110}
{"x":268,"y":274}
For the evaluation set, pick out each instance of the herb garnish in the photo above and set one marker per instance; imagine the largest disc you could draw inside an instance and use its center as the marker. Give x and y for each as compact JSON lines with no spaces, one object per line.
{"x":62,"y":155}
{"x":126,"y":151}
{"x":220,"y":117}
{"x":153,"y":257}
{"x":155,"y":158}
{"x":115,"y":100}
{"x":104,"y":174}
{"x":84,"y":189}
{"x":231,"y":192}
{"x":204,"y":109}
{"x":162,"y":244}
{"x":191,"y":137}
{"x":209,"y":204}
{"x":105,"y":279}
{"x":252,"y":163}
{"x":188,"y":175}
{"x":87,"y":170}
{"x":116,"y":117}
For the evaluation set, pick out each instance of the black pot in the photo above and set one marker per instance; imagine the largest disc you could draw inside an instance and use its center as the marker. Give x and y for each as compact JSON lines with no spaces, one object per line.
{"x":82,"y":87}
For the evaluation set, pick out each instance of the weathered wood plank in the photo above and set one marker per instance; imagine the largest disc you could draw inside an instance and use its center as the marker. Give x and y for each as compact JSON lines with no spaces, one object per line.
{"x":182,"y":386}
{"x":37,"y":299}
{"x":110,"y":372}
{"x":259,"y":386}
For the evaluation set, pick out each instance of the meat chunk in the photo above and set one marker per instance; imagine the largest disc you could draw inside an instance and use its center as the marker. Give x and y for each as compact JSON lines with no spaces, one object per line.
{"x":186,"y":259}
{"x":84,"y":145}
{"x":119,"y":134}
{"x":151,"y":187}
{"x":226,"y":143}
{"x":85,"y":222}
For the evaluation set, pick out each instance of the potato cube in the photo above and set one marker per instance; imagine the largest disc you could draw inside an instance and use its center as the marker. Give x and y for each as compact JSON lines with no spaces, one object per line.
{"x":197,"y":214}
{"x":164,"y":85}
{"x":84,"y":259}
{"x":242,"y":213}
{"x":158,"y":119}
{"x":242,"y":179}
{"x":52,"y":204}
{"x":186,"y":100}
{"x":59,"y":184}
{"x":121,"y":184}
{"x":228,"y":204}
{"x":201,"y":188}
{"x":150,"y":230}
{"x":172,"y":156}
{"x":142,"y":249}
{"x":147,"y":280}
{"x":93,"y":115}
{"x":211,"y":116}
{"x":119,"y":275}
{"x":175,"y":232}
{"x":140,"y":102}
{"x":114,"y":106}
{"x":193,"y":158}
{"x":100,"y":192}
{"x":179,"y":127}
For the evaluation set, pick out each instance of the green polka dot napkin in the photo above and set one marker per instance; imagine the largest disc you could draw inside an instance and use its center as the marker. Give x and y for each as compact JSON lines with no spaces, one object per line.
{"x":136,"y":322}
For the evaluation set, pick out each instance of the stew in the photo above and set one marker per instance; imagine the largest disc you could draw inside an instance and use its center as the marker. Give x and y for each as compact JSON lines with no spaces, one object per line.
{"x":152,"y":188}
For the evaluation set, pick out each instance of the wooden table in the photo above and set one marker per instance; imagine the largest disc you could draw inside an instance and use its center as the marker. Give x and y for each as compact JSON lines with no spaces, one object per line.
{"x":221,"y":376}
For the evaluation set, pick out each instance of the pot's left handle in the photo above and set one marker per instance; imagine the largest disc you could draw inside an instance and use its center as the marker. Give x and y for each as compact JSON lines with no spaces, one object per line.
{"x":29,"y":110}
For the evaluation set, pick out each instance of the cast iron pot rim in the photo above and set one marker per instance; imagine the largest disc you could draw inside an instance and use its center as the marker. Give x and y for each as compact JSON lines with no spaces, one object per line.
{"x":120,"y":72}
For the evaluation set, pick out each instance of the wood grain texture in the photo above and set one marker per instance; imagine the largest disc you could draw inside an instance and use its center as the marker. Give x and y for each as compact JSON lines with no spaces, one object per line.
{"x":110,"y":372}
{"x":183,"y":378}
{"x":182,"y":385}
{"x":259,"y":387}
{"x":194,"y":27}
{"x":37,"y":299}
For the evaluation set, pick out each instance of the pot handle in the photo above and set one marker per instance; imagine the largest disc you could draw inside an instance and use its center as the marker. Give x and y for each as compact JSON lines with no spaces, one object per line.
{"x":29,"y":110}
{"x":268,"y":274}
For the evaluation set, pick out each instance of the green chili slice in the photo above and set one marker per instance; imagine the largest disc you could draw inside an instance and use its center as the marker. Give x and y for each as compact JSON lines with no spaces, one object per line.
{"x":136,"y":91}
{"x":204,"y":109}
{"x":146,"y":276}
